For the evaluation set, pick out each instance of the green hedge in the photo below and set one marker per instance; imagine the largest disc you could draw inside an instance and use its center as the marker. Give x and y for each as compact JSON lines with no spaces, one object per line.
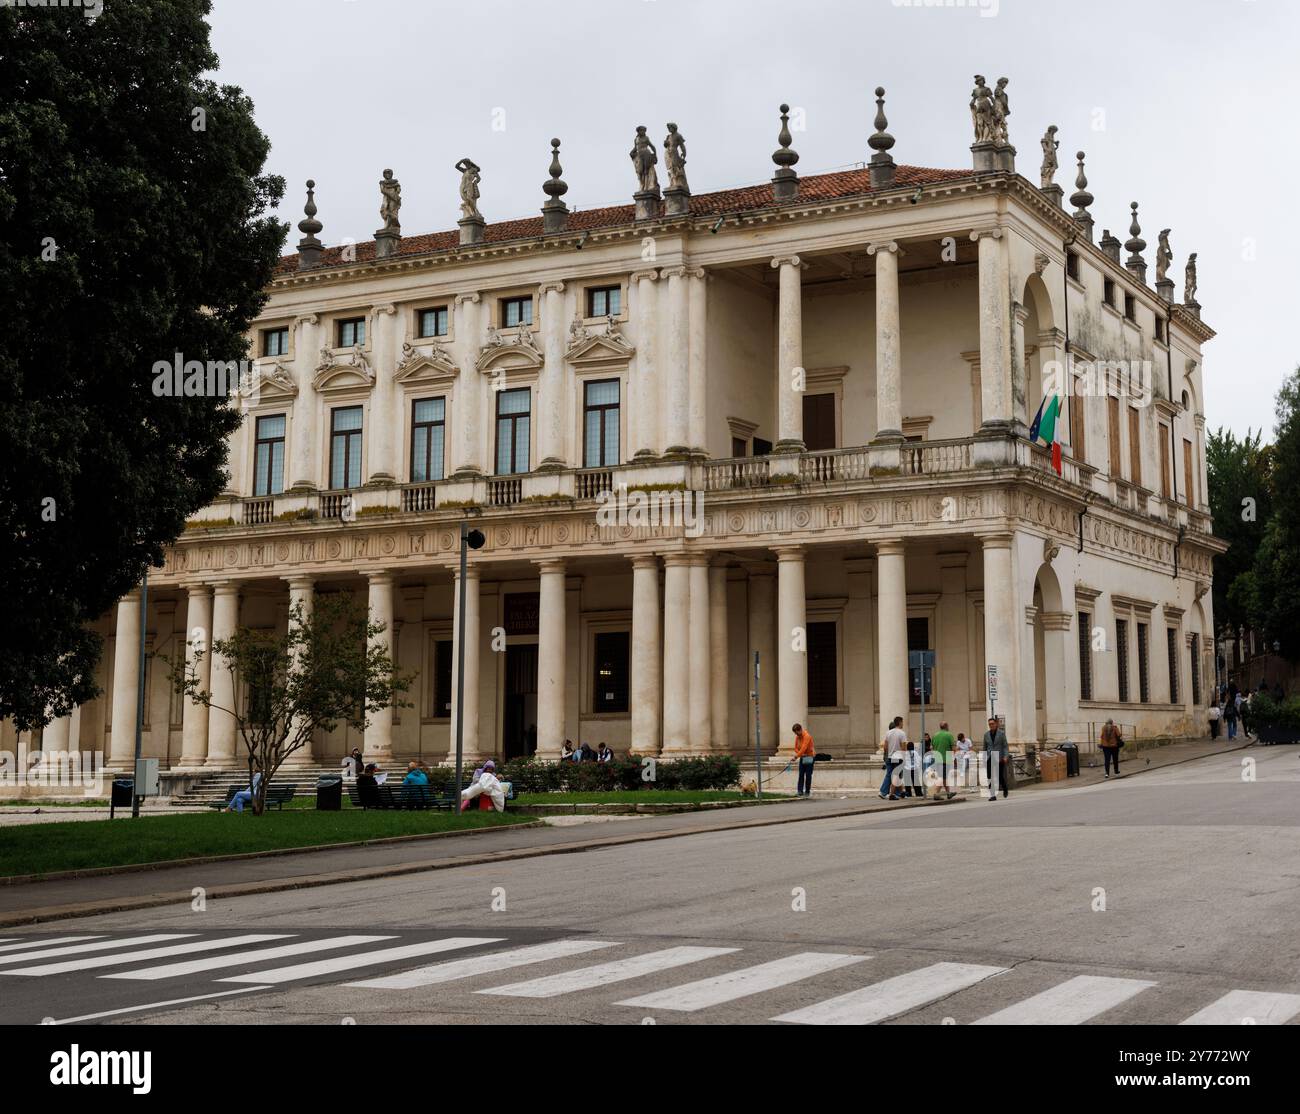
{"x":1267,"y":712}
{"x":532,"y":775}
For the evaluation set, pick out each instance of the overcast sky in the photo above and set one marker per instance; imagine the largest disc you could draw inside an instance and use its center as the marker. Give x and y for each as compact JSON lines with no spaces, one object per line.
{"x":1185,"y":106}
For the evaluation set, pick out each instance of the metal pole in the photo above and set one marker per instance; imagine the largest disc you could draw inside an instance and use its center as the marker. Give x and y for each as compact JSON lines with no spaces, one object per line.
{"x":139,"y":697}
{"x":758,"y":750}
{"x":921,"y":756}
{"x":460,"y":656}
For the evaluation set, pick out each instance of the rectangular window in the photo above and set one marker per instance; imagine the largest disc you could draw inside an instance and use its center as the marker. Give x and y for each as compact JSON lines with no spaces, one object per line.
{"x":1130,"y":307}
{"x":440,"y":698}
{"x":431,"y":322}
{"x":1112,"y":423}
{"x":1171,"y":644}
{"x":1164,"y":461}
{"x":513,"y":409}
{"x":738,"y":446}
{"x":1188,"y":474}
{"x":762,"y":447}
{"x":1196,"y":670}
{"x":611,"y":672}
{"x":1072,"y":265}
{"x":268,"y":456}
{"x":918,"y":638}
{"x":1121,"y":653}
{"x":516,"y":311}
{"x":819,"y":422}
{"x":1135,"y":447}
{"x":600,"y":411}
{"x":1108,"y":291}
{"x":345,"y":447}
{"x":1078,"y":423}
{"x":428,"y":433}
{"x":352,"y":331}
{"x":275,"y":342}
{"x":1085,"y":655}
{"x":823,"y":666}
{"x":604,"y":301}
{"x":1160,"y":329}
{"x":1144,"y":663}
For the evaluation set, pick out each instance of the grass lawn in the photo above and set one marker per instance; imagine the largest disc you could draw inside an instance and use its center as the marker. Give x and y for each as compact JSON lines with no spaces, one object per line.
{"x":635,"y":796}
{"x":43,"y":803}
{"x":76,"y":845}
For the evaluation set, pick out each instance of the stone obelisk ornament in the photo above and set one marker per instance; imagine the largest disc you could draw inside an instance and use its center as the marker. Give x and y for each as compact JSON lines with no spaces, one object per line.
{"x":882,"y":162}
{"x":390,"y":205}
{"x":785,"y":182}
{"x":555,"y":213}
{"x":644,"y":159}
{"x":1135,"y":263}
{"x":471,"y":221}
{"x":309,"y":247}
{"x":1081,"y":199}
{"x":677,"y":197}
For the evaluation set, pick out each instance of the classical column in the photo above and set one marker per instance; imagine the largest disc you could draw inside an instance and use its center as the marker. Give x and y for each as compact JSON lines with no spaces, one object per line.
{"x":700,"y":703}
{"x":677,"y":662}
{"x":126,"y":681}
{"x":377,"y":744}
{"x":860,"y":655}
{"x":789,"y":358}
{"x":647,"y":662}
{"x":1060,"y":690}
{"x":222,"y":730}
{"x":699,"y":359}
{"x":1002,"y":629}
{"x":791,"y":644}
{"x":56,"y":735}
{"x":677,"y":387}
{"x":761,"y":593}
{"x":305,"y":464}
{"x":466,"y":454}
{"x":646,"y":390}
{"x":194,"y":717}
{"x":891,"y":622}
{"x":384,"y":423}
{"x":551,"y":411}
{"x":719,"y":712}
{"x":889,"y":359}
{"x":995,"y":323}
{"x":468,"y":626}
{"x":550,"y":660}
{"x":301,"y":593}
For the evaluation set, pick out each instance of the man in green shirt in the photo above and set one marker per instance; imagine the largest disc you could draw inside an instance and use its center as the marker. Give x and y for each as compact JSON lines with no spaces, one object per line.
{"x":942,"y":744}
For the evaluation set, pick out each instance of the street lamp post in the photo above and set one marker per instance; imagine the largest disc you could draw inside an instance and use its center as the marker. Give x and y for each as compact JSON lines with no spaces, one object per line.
{"x":140,"y":697}
{"x":469,"y":539}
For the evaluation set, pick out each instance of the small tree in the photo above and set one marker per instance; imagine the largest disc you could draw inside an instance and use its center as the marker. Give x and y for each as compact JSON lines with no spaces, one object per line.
{"x":326,"y":669}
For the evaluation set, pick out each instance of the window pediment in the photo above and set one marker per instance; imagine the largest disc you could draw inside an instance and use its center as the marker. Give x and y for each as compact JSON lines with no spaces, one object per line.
{"x":274,"y":382}
{"x":345,"y":371}
{"x":587,"y":347}
{"x":510,"y":353}
{"x":418,"y":366}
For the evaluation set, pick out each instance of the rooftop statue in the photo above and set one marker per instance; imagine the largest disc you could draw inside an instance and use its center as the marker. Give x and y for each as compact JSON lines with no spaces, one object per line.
{"x":1050,"y":144}
{"x":469,"y":180}
{"x":644,"y":157}
{"x":390,"y":204}
{"x":675,"y":157}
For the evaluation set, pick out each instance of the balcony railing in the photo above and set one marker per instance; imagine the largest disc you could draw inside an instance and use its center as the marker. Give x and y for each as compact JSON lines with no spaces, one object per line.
{"x":419,"y":497}
{"x":834,"y":464}
{"x":333,"y":503}
{"x":259,"y":511}
{"x":736,"y":472}
{"x":592,"y":482}
{"x":502,"y":493}
{"x":928,"y":458}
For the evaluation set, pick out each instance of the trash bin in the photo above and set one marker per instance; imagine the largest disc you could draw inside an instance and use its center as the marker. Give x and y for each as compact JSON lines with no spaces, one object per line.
{"x":1071,"y":752}
{"x":121,"y":794}
{"x":329,"y":793}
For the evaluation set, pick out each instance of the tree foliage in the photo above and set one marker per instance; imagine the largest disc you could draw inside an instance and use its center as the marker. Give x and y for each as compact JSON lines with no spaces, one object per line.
{"x":326,"y":669}
{"x":1241,"y":501}
{"x":134,"y":224}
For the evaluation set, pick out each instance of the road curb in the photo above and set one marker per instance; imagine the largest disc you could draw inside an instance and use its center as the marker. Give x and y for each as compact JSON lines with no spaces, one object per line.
{"x":43,"y":914}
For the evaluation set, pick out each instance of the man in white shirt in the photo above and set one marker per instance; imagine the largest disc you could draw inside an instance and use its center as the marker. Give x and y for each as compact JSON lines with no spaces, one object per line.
{"x":895,"y":749}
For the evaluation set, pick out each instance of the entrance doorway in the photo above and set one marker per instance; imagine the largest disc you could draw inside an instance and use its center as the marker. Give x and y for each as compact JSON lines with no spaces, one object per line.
{"x":519,"y":734}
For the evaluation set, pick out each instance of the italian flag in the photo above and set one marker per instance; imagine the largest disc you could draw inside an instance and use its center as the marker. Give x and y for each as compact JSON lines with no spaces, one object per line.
{"x":1045,"y":426}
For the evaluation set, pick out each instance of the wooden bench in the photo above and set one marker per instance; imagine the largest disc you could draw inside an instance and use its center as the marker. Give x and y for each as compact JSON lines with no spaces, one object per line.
{"x":276,"y":795}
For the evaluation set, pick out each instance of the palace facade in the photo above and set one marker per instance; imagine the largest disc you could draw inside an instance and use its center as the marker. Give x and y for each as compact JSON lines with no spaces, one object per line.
{"x":787,"y":421}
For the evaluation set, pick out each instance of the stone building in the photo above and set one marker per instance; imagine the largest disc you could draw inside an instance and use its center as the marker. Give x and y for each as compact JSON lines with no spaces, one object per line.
{"x":787,"y":420}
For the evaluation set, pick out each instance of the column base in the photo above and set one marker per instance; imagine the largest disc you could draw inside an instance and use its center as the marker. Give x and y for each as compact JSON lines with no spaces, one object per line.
{"x":645,"y":454}
{"x":789,"y":445}
{"x":302,"y":487}
{"x":551,"y":464}
{"x":885,"y":452}
{"x":676,"y":452}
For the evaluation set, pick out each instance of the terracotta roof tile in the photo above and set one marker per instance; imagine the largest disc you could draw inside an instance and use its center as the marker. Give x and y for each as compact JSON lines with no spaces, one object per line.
{"x":819,"y":187}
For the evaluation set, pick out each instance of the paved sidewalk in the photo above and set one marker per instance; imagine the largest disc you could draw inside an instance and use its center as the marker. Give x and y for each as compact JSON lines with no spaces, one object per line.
{"x":1133,"y":760}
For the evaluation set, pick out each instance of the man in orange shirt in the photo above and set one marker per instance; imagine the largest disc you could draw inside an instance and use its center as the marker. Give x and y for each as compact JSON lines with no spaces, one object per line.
{"x":804,"y":752}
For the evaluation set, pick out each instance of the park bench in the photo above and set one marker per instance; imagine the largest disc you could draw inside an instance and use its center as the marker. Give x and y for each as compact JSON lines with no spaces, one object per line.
{"x":401,"y":796}
{"x":276,"y":795}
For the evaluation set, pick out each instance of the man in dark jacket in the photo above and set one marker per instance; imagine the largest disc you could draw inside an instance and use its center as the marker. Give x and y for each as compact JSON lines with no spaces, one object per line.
{"x":997,"y":759}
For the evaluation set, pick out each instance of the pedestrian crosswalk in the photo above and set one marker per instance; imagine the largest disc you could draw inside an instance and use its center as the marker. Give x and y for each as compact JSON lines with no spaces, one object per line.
{"x":806,"y":987}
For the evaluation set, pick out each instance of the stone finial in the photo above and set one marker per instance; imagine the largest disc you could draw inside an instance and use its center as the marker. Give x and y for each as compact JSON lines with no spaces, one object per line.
{"x":555,"y":213}
{"x":785,"y":182}
{"x":1081,"y":199}
{"x":1109,"y":244}
{"x":1134,"y":245}
{"x":882,"y":163}
{"x":309,"y":247}
{"x":677,"y":197}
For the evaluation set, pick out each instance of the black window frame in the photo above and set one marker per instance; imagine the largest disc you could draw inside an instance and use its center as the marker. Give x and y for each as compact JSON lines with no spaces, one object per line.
{"x":823,"y":663}
{"x":358,"y":325}
{"x":1195,"y":648}
{"x":521,"y":300}
{"x":1171,"y":650}
{"x":258,"y":442}
{"x":611,"y":693}
{"x":282,"y":332}
{"x":602,"y":408}
{"x":430,"y":426}
{"x":594,"y":291}
{"x":514,"y":420}
{"x":443,"y":653}
{"x":348,"y":434}
{"x":1108,"y":292}
{"x":1121,"y":655}
{"x":443,"y":317}
{"x":1085,"y":655}
{"x":1144,"y":663}
{"x":914,"y":693}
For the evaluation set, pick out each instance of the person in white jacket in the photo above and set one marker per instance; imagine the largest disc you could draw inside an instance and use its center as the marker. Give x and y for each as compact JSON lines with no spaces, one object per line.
{"x":487,"y":782}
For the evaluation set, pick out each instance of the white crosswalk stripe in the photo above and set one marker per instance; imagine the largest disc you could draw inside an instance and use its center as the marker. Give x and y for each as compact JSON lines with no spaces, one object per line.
{"x":1070,"y":1003}
{"x":102,"y":946}
{"x":743,"y":983}
{"x":260,"y":955}
{"x":586,"y":978}
{"x":1246,"y":1007}
{"x":89,"y":963}
{"x":365,"y":959}
{"x":30,"y":943}
{"x":484,"y":964}
{"x":893,"y":996}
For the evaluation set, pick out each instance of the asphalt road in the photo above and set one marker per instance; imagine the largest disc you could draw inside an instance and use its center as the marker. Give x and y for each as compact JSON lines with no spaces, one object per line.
{"x":1162,"y":898}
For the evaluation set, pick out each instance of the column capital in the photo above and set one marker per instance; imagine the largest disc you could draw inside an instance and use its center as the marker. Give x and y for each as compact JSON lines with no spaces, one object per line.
{"x":646,"y":561}
{"x":554,"y":286}
{"x":996,"y":539}
{"x":472,"y":298}
{"x":697,"y":273}
{"x":378,"y":576}
{"x":789,"y":261}
{"x":300,"y":583}
{"x":649,"y":274}
{"x":305,"y":319}
{"x":198,"y":588}
{"x":472,"y":571}
{"x":226,"y":588}
{"x":549,"y":565}
{"x":890,"y":246}
{"x":986,"y":233}
{"x":891,"y":547}
{"x":384,"y":308}
{"x":674,"y":272}
{"x":789,"y":552}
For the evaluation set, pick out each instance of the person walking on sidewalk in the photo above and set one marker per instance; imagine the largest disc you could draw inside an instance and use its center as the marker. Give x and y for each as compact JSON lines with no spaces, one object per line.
{"x":997,"y":759}
{"x":943,"y":743}
{"x":895,"y":749}
{"x":1111,"y":741}
{"x":805,"y":754}
{"x":1230,"y":716}
{"x":1216,"y":717}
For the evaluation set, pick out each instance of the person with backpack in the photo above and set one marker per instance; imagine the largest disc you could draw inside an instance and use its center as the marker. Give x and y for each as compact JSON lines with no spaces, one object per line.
{"x":1111,"y":741}
{"x":1230,"y":715}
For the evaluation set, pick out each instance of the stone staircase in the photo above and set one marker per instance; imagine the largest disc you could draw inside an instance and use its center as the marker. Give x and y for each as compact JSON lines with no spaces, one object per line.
{"x":211,"y":788}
